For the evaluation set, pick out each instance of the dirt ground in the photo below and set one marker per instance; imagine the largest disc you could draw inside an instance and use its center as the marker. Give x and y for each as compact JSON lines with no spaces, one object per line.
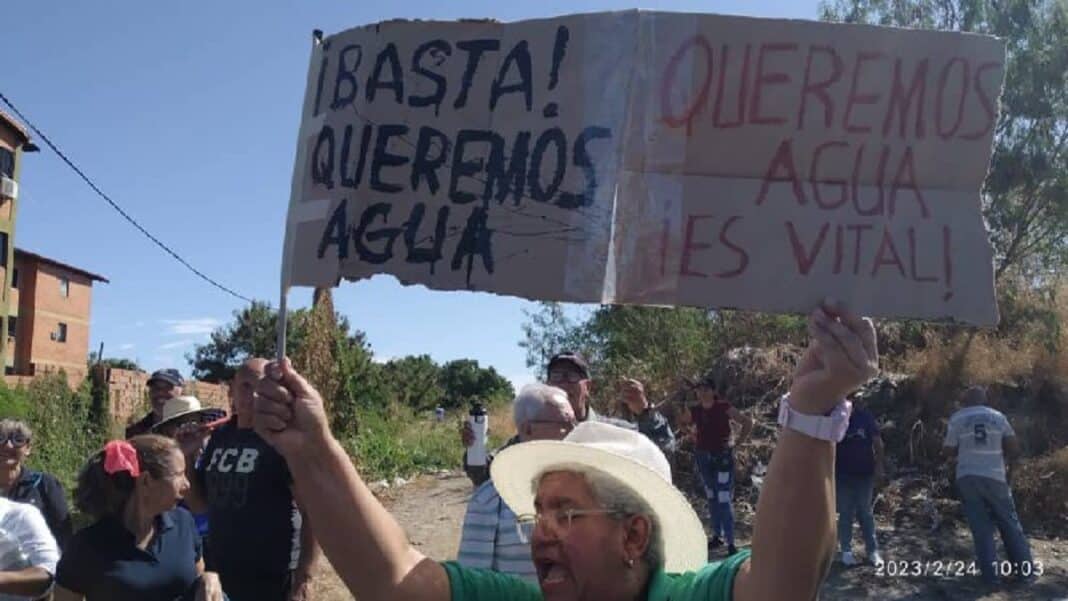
{"x":431,"y":509}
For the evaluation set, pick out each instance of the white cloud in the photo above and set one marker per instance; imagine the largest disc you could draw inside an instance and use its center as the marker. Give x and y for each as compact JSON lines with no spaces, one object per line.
{"x":139,"y":324}
{"x":194,"y":326}
{"x":176,"y":344}
{"x":126,"y":346}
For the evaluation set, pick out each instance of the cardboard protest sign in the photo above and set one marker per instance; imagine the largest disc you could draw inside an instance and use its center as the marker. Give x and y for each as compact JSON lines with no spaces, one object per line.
{"x":655,"y":158}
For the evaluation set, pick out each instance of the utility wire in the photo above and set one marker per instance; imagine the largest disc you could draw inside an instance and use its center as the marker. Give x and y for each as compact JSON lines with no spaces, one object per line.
{"x":115,"y":205}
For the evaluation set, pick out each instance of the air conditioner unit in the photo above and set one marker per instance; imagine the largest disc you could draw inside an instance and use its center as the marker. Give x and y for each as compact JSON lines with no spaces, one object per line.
{"x":9,"y":188}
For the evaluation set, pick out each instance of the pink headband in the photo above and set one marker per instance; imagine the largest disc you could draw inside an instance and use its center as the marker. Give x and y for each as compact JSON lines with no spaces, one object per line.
{"x":120,"y":456}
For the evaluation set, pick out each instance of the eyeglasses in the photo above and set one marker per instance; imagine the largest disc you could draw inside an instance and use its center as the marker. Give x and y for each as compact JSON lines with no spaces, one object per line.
{"x":17,"y":439}
{"x":557,"y":521}
{"x":571,"y":377}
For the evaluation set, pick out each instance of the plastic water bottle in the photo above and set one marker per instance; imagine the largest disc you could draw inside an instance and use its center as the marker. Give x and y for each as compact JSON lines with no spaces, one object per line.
{"x":476,"y":453}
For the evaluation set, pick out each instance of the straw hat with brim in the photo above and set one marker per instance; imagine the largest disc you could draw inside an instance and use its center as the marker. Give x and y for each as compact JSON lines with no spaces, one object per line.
{"x":626,"y":455}
{"x":183,"y":407}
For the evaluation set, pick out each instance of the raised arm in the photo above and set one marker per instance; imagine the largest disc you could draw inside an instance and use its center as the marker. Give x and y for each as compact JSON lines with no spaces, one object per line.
{"x":364,"y":543}
{"x":793,"y":538}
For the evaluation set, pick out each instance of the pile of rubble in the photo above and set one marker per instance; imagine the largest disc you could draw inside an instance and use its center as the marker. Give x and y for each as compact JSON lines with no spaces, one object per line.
{"x":919,"y":492}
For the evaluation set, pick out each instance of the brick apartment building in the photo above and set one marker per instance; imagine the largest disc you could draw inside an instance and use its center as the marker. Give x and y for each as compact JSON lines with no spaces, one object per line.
{"x":48,"y":316}
{"x":44,"y":304}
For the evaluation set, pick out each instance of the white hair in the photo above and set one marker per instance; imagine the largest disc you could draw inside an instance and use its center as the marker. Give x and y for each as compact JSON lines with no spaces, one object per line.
{"x":533,"y":399}
{"x":612,"y":494}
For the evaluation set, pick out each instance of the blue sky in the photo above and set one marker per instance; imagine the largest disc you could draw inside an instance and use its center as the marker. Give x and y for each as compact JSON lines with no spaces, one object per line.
{"x":186,"y":113}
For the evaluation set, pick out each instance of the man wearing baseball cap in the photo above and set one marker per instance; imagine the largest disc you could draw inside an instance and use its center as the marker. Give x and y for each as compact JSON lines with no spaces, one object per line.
{"x":163,"y":385}
{"x":569,"y":371}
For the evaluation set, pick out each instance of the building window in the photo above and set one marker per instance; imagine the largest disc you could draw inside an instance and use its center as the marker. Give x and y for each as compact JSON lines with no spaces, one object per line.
{"x":3,"y":249}
{"x":12,"y":325}
{"x":7,"y":163}
{"x":64,"y":287}
{"x":60,"y":335}
{"x":15,"y":278}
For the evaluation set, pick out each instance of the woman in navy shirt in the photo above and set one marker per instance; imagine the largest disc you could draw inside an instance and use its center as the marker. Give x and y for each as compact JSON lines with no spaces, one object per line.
{"x":141,"y":546}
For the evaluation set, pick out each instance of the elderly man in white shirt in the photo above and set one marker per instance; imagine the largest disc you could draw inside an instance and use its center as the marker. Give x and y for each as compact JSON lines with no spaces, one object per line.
{"x":489,"y":538}
{"x":28,"y":552}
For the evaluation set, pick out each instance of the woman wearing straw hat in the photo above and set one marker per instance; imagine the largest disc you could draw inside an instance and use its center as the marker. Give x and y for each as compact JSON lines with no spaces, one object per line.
{"x":184,"y":420}
{"x":603,"y":519}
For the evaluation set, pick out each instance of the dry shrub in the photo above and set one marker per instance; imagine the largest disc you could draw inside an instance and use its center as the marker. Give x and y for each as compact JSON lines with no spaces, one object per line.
{"x":1041,"y":490}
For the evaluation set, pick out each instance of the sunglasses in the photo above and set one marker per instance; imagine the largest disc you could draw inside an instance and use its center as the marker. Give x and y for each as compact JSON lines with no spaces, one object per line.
{"x":17,"y":439}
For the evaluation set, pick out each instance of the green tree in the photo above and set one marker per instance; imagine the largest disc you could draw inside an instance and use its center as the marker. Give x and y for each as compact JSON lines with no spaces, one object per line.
{"x":415,"y":381}
{"x":253,"y":333}
{"x":1025,"y":197}
{"x":464,"y":382}
{"x":547,"y":331}
{"x":115,"y":362}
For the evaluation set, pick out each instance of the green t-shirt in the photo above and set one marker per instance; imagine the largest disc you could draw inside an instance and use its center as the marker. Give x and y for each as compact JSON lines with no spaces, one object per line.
{"x":714,"y":582}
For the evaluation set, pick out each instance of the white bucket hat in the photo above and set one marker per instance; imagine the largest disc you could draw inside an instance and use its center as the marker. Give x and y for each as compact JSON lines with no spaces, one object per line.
{"x":625,"y":455}
{"x":181,"y":406}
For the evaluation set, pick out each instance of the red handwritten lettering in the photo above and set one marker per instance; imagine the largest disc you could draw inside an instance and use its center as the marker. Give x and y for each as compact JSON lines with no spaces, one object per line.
{"x":668,"y":82}
{"x":943,"y":81}
{"x":902,"y":101}
{"x":742,"y":89}
{"x":881,"y":260}
{"x":783,"y":160}
{"x":985,"y":99}
{"x":907,"y":169}
{"x":859,"y":230}
{"x":768,"y":79}
{"x":806,"y":260}
{"x":816,"y":180}
{"x":856,"y":98}
{"x":743,"y":257}
{"x":880,"y":175}
{"x":912,"y":260}
{"x":819,"y":88}
{"x":839,"y":251}
{"x":688,"y":246}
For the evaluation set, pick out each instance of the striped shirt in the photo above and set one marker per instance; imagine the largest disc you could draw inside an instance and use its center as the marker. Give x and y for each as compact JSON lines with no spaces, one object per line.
{"x":489,"y":539}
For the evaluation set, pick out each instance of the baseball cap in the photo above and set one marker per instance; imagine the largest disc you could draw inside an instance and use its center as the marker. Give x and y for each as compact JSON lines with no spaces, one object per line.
{"x":169,"y":375}
{"x":573,"y":358}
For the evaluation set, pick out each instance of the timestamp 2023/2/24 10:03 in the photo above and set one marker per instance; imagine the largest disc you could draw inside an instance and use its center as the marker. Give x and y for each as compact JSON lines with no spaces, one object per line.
{"x":955,"y":568}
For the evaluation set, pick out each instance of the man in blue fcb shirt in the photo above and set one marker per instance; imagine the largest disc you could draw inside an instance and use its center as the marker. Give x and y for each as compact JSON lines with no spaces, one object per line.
{"x":261,"y":545}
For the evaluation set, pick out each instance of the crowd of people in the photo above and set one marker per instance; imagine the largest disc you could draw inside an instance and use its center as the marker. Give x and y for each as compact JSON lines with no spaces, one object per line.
{"x":191,"y":504}
{"x":197,"y":504}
